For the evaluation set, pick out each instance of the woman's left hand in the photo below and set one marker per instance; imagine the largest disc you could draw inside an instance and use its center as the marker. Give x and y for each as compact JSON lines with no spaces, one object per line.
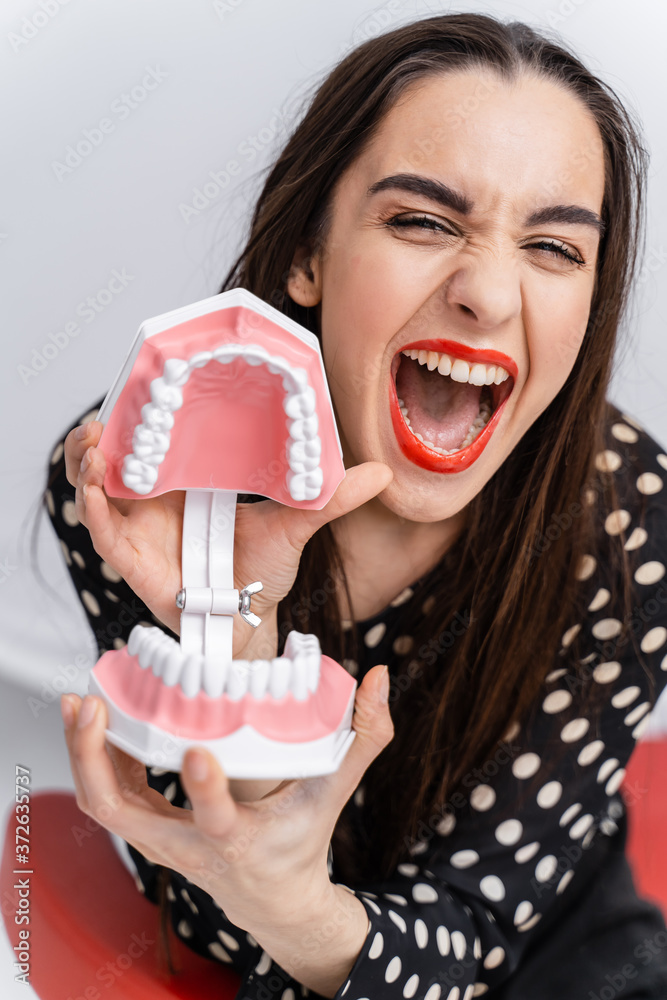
{"x":253,"y":858}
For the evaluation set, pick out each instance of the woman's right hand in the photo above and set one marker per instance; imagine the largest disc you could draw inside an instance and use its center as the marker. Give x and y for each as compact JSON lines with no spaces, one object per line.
{"x":142,"y":539}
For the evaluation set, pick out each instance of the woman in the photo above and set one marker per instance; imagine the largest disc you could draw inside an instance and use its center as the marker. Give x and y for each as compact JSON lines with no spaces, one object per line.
{"x":457,"y":217}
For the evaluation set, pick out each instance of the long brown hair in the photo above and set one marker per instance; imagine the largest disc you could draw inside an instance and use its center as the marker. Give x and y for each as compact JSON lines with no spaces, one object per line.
{"x":454,"y":699}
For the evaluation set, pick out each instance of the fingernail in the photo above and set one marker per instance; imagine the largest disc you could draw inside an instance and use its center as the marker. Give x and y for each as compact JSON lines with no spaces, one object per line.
{"x":67,"y":710}
{"x":87,"y":711}
{"x":85,"y":493}
{"x":198,"y":766}
{"x":81,"y":432}
{"x":383,"y":689}
{"x":85,"y":461}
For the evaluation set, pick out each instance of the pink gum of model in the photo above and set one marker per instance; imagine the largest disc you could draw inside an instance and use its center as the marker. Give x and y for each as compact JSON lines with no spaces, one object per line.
{"x":231,"y":431}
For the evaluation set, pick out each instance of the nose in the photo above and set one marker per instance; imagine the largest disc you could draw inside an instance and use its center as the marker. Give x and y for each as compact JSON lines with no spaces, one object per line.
{"x":485,"y":289}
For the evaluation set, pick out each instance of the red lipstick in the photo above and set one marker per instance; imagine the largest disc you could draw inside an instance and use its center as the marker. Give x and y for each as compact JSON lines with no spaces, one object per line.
{"x":458,"y":461}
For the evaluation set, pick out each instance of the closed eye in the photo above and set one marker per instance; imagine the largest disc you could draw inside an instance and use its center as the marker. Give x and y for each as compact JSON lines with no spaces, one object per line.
{"x":553,"y":247}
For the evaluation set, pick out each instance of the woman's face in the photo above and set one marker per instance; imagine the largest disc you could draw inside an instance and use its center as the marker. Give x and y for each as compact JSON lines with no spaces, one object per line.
{"x":465,"y":234}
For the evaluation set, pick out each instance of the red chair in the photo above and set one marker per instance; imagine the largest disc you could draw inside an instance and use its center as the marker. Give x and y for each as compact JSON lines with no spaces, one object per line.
{"x":93,"y":936}
{"x":644,"y":791}
{"x":86,"y":912}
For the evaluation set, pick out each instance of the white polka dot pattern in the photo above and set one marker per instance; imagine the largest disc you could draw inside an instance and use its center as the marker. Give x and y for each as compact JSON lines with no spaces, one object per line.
{"x":617,"y":521}
{"x":526,"y":765}
{"x":526,"y":852}
{"x":608,"y":461}
{"x":482,"y":798}
{"x":649,"y":483}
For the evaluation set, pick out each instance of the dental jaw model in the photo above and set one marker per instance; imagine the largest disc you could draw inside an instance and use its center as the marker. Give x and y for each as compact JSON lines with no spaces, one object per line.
{"x":225,"y":396}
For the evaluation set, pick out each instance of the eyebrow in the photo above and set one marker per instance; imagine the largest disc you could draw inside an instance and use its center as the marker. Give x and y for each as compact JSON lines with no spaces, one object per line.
{"x":449,"y":198}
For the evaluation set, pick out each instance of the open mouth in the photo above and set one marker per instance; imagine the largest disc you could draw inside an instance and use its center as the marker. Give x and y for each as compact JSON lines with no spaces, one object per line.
{"x":446,"y":401}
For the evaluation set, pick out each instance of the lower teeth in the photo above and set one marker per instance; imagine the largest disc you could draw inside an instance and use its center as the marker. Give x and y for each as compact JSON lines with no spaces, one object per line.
{"x":480,"y":421}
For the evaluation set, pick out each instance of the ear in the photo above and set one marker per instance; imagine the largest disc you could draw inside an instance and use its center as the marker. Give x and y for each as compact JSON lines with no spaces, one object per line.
{"x":304,"y":282}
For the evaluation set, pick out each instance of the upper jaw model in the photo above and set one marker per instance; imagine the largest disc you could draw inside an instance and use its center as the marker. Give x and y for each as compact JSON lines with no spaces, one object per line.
{"x":221,"y":397}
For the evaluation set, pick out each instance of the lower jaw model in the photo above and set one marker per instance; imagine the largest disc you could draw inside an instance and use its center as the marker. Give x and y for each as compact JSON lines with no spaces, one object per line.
{"x":285,"y":717}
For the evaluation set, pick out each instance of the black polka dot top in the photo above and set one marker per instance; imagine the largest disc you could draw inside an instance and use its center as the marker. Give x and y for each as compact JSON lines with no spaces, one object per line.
{"x":513,"y":895}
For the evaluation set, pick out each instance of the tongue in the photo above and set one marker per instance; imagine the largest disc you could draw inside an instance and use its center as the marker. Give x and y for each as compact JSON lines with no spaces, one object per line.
{"x":439,"y":409}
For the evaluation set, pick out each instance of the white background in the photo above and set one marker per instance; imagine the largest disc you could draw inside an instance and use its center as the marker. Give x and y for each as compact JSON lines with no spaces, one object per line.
{"x":233,"y":75}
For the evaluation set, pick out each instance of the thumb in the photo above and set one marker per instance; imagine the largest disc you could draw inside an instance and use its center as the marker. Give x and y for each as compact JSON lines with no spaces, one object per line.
{"x":361,"y":484}
{"x":373,"y":728}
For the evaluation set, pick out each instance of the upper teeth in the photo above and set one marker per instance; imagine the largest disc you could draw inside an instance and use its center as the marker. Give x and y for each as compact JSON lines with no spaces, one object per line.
{"x":458,"y":370}
{"x":151,"y":439}
{"x":297,"y":671}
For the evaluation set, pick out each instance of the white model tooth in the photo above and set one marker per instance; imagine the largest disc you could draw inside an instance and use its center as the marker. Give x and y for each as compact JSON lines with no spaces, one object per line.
{"x":299,"y":679}
{"x":161,"y":650}
{"x":236,"y":685}
{"x":138,"y":476}
{"x":155,"y":418}
{"x":201,"y":359}
{"x":295,"y":380}
{"x":166,"y":397}
{"x":214,"y":675}
{"x":176,"y":371}
{"x":145,"y":653}
{"x":477,"y":375}
{"x":191,"y":674}
{"x":422,"y":357}
{"x":299,"y":459}
{"x":305,"y":650}
{"x":135,"y":467}
{"x":259,"y":678}
{"x":147,"y":443}
{"x":226,"y":353}
{"x":255,"y":355}
{"x":137,"y":484}
{"x":299,"y":642}
{"x":279,"y":676}
{"x":301,"y":404}
{"x":136,"y":639}
{"x":277,"y":367}
{"x":173,"y":663}
{"x":432,"y":360}
{"x":490,"y":374}
{"x":305,"y":485}
{"x":303,"y":429}
{"x":445,"y":364}
{"x":460,"y":370}
{"x":313,"y":672}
